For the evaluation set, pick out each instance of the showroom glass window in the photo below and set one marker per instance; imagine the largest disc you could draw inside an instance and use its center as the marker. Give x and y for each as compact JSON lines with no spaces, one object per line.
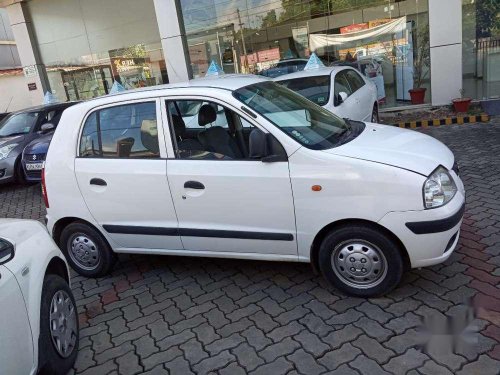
{"x":386,"y":40}
{"x":481,"y":49}
{"x":88,"y":45}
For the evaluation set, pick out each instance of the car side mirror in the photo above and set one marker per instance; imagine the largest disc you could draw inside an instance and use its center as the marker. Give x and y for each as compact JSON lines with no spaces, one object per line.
{"x":341,"y":97}
{"x":265,"y":147}
{"x":6,"y":251}
{"x":47,"y":127}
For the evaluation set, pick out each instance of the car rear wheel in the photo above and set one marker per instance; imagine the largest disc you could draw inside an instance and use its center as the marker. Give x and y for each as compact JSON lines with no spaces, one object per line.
{"x":361,"y":261}
{"x":86,"y":250}
{"x":58,"y":342}
{"x":375,"y":116}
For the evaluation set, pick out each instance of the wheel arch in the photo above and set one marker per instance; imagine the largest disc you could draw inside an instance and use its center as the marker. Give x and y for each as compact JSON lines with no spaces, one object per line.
{"x":318,"y":239}
{"x":64,"y":222}
{"x":58,"y":267}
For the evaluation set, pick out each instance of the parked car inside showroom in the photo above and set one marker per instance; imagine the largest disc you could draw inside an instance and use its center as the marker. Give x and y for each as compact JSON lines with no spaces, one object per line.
{"x":39,"y":323}
{"x":277,"y":178}
{"x":19,"y":129}
{"x":342,"y":90}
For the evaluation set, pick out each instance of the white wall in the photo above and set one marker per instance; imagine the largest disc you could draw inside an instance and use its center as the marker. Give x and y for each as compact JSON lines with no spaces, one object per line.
{"x":13,"y":93}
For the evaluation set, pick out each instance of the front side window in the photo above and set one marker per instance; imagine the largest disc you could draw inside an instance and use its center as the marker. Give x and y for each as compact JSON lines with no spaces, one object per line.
{"x":355,"y":80}
{"x":316,"y":89}
{"x":18,"y":124}
{"x":124,"y":131}
{"x":309,"y":124}
{"x":341,"y":84}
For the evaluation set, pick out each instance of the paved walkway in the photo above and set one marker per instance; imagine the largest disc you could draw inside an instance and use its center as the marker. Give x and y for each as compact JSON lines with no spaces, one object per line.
{"x":179,"y":315}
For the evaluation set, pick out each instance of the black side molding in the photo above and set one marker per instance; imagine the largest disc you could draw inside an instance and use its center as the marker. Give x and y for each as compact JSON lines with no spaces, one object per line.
{"x":129,"y":229}
{"x":187,"y":232}
{"x":436,"y":226}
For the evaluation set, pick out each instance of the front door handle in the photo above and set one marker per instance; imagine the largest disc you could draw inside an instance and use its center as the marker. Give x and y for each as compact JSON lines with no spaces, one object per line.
{"x":98,"y":182}
{"x":194,"y":185}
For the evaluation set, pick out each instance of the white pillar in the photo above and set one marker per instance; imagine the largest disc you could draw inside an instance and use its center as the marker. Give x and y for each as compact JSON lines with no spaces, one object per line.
{"x":173,"y":40}
{"x":445,"y":26}
{"x":35,"y":75}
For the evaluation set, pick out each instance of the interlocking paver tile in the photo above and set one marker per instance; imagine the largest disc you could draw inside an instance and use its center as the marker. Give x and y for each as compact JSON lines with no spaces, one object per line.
{"x":175,"y":315}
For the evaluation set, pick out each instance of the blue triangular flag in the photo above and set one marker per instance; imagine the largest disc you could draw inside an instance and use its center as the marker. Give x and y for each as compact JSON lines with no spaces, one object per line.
{"x":117,"y":87}
{"x":50,"y":98}
{"x":314,"y":63}
{"x":214,"y":69}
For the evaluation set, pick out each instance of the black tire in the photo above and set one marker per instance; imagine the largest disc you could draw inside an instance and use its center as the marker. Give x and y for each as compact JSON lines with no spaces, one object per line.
{"x":106,"y":258}
{"x":381,"y":255}
{"x":50,"y":361}
{"x":19,"y":173}
{"x":375,"y":115}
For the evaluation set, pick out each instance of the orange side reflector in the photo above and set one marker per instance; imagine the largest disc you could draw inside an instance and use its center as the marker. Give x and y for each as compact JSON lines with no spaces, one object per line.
{"x":316,"y":188}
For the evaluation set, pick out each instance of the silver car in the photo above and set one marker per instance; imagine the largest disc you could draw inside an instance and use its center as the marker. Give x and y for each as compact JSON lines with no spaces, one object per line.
{"x":20,"y":128}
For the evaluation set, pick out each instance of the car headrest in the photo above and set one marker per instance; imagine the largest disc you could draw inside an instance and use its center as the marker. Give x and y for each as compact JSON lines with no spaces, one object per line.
{"x":149,"y":136}
{"x":179,"y":125}
{"x":206,"y":115}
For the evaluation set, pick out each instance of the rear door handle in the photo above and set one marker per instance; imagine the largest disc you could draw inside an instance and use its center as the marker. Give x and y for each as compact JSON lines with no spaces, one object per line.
{"x":194,"y":185}
{"x":98,"y":182}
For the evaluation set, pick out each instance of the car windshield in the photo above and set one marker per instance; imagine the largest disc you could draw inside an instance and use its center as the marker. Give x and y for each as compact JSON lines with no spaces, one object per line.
{"x":316,"y":89}
{"x":309,"y":124}
{"x":18,"y":124}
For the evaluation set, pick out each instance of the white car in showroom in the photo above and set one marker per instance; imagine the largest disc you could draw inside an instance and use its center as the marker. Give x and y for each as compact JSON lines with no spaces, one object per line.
{"x":38,"y":322}
{"x":342,"y":90}
{"x":277,"y":178}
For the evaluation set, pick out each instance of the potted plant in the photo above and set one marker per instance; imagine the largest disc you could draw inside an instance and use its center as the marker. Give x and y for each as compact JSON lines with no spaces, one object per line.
{"x":420,"y":66}
{"x":461,"y":104}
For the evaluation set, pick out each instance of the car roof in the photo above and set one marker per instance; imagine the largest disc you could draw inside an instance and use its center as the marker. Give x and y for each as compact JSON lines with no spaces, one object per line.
{"x":45,"y":107}
{"x":312,"y":72}
{"x":228,"y":82}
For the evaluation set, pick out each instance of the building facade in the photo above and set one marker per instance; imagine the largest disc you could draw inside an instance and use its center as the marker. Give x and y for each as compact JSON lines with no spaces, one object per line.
{"x":78,"y":48}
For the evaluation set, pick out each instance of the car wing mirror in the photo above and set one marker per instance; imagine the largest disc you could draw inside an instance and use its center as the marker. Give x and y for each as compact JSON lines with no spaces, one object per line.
{"x":263,"y":146}
{"x":47,"y":127}
{"x":6,"y":251}
{"x":341,"y":97}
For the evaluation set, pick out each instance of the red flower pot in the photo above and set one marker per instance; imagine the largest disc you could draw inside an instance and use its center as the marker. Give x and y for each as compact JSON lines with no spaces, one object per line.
{"x":417,"y":95}
{"x":462,"y":104}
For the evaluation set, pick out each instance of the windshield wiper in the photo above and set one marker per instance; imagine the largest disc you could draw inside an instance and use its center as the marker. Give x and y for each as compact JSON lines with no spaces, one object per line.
{"x":12,"y":134}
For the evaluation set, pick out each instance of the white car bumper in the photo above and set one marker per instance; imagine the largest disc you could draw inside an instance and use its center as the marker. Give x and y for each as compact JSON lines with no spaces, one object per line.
{"x":429,"y":236}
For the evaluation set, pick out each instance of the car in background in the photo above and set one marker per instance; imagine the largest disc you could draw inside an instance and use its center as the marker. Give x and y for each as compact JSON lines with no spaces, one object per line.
{"x":20,"y":128}
{"x":39,"y":319}
{"x":33,"y":158}
{"x":284,"y":67}
{"x":265,"y":174}
{"x":341,"y":90}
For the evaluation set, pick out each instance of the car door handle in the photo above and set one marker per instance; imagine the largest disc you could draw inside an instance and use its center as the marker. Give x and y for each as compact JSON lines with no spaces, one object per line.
{"x":194,"y":185}
{"x":98,"y":182}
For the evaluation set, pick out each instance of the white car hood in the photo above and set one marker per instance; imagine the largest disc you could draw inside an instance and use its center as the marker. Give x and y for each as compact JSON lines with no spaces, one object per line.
{"x":400,"y":148}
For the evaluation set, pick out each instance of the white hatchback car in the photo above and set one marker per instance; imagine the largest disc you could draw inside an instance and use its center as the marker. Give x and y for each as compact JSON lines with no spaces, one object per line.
{"x":38,"y":324}
{"x":278,"y":178}
{"x":342,"y":90}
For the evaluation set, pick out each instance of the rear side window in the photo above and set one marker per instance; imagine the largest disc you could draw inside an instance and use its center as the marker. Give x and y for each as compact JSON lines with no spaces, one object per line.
{"x":355,"y":80}
{"x":316,"y":89}
{"x":125,"y":131}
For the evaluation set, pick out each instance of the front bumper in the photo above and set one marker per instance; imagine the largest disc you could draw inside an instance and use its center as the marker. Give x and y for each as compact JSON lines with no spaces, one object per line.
{"x":31,"y":175}
{"x":7,"y":170}
{"x":429,"y":236}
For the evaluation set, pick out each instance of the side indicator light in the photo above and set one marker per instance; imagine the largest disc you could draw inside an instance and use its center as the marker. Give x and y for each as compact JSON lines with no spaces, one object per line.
{"x":316,"y":188}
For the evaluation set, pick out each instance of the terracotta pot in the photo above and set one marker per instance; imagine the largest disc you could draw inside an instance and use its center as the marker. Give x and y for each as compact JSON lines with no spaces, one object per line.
{"x":417,"y":95}
{"x":461,"y":104}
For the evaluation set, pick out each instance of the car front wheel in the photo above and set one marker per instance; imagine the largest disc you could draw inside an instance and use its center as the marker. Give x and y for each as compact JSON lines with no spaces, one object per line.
{"x":375,"y":116}
{"x":361,"y":261}
{"x":58,"y":342}
{"x":86,"y":250}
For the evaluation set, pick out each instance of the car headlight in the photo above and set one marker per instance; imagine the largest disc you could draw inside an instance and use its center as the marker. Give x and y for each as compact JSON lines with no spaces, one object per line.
{"x":5,"y":150}
{"x":439,"y":188}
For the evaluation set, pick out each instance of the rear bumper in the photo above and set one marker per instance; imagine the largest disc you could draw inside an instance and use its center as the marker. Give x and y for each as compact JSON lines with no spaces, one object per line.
{"x":429,"y":236}
{"x":7,"y":170}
